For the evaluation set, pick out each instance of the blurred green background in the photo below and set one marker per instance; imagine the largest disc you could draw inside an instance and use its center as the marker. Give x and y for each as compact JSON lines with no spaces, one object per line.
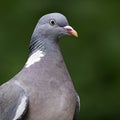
{"x":93,"y":59}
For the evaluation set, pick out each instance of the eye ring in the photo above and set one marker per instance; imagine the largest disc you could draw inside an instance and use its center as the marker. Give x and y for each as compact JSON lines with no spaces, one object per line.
{"x":52,"y":22}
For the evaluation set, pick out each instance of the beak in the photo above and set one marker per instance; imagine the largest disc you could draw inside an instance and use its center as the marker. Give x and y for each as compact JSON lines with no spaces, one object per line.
{"x":71,"y":31}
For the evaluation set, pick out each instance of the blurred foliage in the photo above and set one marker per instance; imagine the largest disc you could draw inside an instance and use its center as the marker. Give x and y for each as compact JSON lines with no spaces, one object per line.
{"x":93,"y":59}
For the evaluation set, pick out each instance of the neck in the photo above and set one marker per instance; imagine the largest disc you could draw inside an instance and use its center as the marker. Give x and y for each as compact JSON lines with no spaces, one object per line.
{"x":39,"y":44}
{"x":39,"y":49}
{"x":36,"y":44}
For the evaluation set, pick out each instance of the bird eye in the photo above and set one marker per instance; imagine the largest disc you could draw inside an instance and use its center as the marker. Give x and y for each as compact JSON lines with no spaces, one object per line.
{"x":52,"y":22}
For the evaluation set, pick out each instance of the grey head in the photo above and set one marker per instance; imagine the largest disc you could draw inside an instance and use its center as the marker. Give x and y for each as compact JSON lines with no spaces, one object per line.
{"x":50,"y":27}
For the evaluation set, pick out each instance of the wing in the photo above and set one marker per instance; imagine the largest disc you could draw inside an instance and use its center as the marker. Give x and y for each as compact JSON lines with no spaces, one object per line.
{"x":77,"y":109}
{"x":13,"y":102}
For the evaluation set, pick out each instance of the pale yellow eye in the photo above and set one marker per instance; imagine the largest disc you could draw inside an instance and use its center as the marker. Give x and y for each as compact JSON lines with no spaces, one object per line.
{"x":52,"y":22}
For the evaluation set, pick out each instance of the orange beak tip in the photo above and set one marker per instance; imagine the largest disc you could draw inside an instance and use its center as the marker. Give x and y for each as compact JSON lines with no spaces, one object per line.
{"x":74,"y":33}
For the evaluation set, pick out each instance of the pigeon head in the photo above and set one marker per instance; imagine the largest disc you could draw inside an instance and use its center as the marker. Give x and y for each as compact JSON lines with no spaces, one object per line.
{"x":50,"y":27}
{"x":53,"y":25}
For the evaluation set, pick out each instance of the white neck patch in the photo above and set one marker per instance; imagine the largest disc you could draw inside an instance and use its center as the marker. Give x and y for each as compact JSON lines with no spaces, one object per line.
{"x":35,"y":57}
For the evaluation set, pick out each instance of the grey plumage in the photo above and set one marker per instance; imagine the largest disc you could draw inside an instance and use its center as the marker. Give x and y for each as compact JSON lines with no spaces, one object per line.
{"x":44,"y":81}
{"x":11,"y":96}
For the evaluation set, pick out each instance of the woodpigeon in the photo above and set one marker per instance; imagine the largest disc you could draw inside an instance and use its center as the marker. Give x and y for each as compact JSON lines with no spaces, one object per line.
{"x":43,"y":89}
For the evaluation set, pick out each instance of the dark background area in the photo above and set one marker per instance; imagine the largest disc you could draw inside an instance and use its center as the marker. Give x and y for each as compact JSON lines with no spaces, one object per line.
{"x":93,"y":59}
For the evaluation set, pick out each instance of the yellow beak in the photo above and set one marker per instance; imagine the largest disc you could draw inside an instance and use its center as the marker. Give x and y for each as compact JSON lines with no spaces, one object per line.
{"x":71,"y":31}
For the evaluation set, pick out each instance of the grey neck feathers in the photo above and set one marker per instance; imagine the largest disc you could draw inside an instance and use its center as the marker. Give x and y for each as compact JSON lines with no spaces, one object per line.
{"x":44,"y":45}
{"x":36,"y":44}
